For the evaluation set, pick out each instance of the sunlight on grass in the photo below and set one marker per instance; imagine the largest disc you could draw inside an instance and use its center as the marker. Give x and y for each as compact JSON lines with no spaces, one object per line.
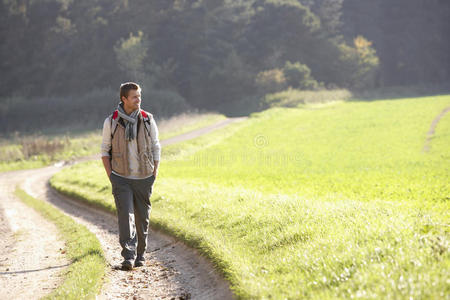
{"x":317,"y":202}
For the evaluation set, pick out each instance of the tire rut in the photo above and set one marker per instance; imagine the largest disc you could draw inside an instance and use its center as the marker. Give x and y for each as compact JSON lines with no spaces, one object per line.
{"x":430,"y":133}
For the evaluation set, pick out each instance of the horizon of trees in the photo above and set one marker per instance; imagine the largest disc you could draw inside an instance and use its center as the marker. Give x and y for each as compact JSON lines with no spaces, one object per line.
{"x":204,"y":54}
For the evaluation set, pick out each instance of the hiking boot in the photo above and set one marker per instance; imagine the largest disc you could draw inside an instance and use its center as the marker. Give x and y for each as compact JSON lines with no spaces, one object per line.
{"x":127,"y":266}
{"x":139,"y":262}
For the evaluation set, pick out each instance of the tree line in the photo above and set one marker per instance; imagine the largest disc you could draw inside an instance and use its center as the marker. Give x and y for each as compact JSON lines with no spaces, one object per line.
{"x":209,"y":53}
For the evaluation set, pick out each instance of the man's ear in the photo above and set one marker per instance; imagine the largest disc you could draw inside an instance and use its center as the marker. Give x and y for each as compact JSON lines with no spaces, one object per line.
{"x":123,"y":97}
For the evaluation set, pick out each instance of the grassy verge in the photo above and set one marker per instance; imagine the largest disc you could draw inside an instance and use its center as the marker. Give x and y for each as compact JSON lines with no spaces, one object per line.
{"x":84,"y":276}
{"x":318,"y":202}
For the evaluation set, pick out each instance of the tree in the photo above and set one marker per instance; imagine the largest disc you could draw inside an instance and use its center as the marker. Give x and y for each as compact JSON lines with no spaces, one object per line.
{"x":359,"y":64}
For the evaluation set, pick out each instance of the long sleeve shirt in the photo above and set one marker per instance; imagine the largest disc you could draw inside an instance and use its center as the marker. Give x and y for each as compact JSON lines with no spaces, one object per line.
{"x":132,"y":147}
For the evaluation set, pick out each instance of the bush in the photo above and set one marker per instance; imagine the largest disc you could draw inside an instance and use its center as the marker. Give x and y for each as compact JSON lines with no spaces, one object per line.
{"x":359,"y":64}
{"x":270,"y":81}
{"x":298,"y":76}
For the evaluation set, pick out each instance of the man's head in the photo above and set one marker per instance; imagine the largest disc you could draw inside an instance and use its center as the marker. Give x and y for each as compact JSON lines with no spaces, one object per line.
{"x":130,"y":95}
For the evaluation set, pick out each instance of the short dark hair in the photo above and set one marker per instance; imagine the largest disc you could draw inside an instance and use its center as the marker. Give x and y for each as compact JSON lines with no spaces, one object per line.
{"x":126,"y":87}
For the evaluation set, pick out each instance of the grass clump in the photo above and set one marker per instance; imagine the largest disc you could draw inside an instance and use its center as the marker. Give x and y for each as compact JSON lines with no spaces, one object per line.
{"x":84,"y":276}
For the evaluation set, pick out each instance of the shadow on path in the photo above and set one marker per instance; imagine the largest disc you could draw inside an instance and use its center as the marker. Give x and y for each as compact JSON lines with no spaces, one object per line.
{"x":35,"y":270}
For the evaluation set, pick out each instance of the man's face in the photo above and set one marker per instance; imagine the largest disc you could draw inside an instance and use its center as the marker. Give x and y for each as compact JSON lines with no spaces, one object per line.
{"x":133,"y":101}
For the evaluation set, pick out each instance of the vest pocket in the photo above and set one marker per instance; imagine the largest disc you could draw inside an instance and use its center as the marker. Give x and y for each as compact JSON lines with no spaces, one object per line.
{"x":147,"y":162}
{"x":117,"y":162}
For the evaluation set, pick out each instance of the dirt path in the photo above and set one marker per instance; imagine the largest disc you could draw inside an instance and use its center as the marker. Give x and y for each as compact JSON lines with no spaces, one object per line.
{"x":172,"y":271}
{"x":201,"y":131}
{"x":29,"y":269}
{"x":430,"y":132}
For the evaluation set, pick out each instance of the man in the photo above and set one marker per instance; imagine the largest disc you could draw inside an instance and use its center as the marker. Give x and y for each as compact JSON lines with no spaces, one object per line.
{"x":130,"y":154}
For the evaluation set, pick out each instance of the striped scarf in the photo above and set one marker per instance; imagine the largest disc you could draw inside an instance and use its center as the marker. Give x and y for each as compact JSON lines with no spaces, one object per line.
{"x":130,"y":121}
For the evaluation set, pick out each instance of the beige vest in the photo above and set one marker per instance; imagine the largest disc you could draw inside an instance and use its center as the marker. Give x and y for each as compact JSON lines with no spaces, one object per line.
{"x":120,"y":155}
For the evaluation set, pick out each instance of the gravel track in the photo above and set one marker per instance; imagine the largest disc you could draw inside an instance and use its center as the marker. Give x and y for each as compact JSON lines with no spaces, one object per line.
{"x":29,"y":268}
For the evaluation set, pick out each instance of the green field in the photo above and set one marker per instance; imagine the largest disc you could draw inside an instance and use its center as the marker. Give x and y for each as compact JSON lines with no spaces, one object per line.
{"x":334,"y":200}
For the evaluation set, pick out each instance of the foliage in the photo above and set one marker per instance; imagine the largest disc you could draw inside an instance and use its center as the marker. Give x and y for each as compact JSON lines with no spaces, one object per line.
{"x":131,"y":54}
{"x":207,"y":52}
{"x":270,"y":81}
{"x":298,"y":76}
{"x":411,"y":39}
{"x":213,"y":54}
{"x":360,"y":64}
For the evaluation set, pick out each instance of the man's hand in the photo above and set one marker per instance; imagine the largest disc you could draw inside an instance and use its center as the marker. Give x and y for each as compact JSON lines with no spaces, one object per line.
{"x":107,"y":165}
{"x":155,"y":169}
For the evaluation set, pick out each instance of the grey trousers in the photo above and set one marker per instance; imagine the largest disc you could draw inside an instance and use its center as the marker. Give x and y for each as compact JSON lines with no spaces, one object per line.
{"x":132,"y":198}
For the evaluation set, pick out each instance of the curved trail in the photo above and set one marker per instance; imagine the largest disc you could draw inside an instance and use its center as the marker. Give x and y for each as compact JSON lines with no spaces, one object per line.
{"x":201,"y":131}
{"x":433,"y":125}
{"x":172,"y":270}
{"x":28,"y":268}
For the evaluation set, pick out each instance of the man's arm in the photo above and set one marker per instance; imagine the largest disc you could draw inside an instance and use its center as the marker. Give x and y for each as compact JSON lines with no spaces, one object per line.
{"x":156,"y":146}
{"x":107,"y":164}
{"x":155,"y":170}
{"x":106,"y":146}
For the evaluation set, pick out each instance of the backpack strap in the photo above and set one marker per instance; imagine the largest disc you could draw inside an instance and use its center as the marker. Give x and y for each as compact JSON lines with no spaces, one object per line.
{"x":146,"y":117}
{"x":114,"y":120}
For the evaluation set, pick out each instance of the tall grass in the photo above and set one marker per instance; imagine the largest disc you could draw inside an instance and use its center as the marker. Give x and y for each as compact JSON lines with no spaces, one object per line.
{"x":331,"y":201}
{"x":294,"y":98}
